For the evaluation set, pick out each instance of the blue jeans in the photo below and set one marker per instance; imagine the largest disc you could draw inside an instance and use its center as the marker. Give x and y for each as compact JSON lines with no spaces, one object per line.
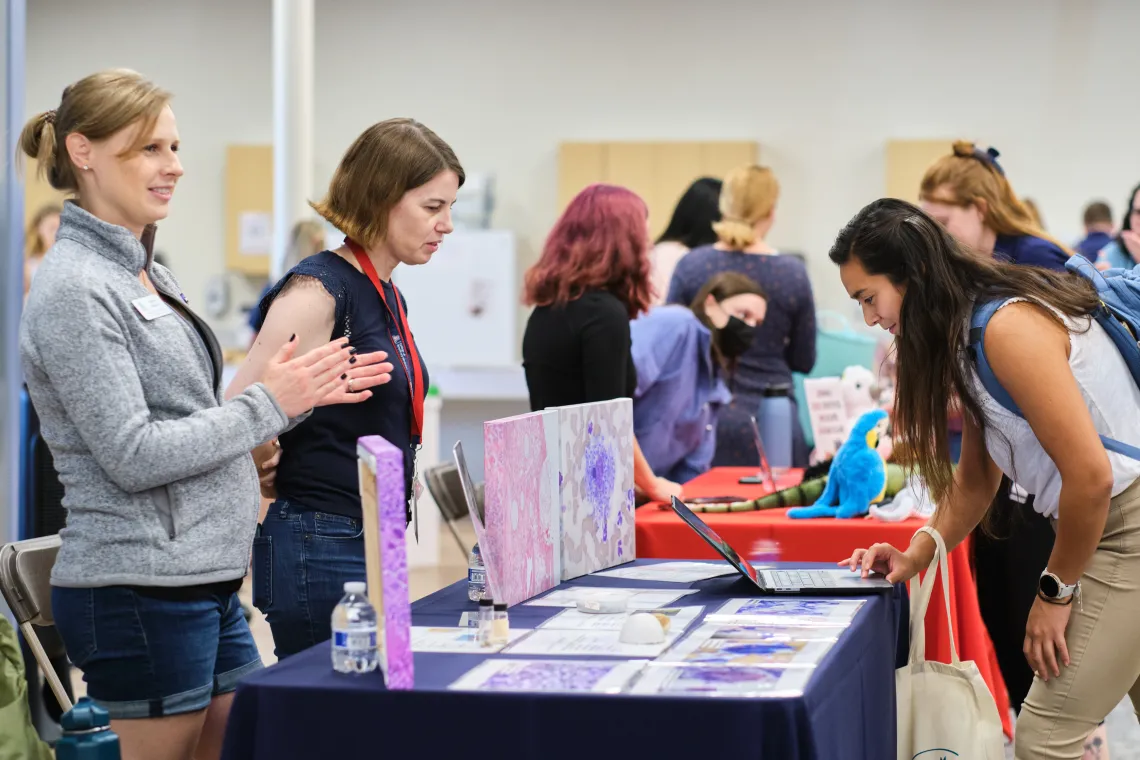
{"x":301,"y":560}
{"x":147,"y":657}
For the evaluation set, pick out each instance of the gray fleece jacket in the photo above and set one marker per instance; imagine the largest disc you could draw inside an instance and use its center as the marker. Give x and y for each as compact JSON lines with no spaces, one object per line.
{"x":159,"y":484}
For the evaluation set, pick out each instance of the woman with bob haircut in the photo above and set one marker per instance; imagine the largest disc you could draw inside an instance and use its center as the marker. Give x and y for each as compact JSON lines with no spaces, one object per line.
{"x":391,"y":195}
{"x":591,"y":280}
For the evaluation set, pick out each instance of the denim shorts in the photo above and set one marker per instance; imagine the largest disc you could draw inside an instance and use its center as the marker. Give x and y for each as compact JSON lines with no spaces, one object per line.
{"x":146,"y":657}
{"x":301,"y":561}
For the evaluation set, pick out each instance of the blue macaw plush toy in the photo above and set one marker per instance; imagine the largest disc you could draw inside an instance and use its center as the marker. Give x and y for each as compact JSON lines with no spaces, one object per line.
{"x":858,"y":475}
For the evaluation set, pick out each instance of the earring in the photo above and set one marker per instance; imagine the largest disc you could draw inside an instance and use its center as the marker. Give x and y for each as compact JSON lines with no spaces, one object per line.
{"x":86,"y":168}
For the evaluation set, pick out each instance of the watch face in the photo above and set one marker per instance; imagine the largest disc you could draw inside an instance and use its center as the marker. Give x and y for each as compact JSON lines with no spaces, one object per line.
{"x":1049,"y":587}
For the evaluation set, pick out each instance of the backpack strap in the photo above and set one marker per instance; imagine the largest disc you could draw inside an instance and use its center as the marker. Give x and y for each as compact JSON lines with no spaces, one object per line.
{"x":976,"y":342}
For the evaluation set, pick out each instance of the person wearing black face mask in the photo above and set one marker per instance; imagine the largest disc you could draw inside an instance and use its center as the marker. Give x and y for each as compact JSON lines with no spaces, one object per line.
{"x":685,"y":359}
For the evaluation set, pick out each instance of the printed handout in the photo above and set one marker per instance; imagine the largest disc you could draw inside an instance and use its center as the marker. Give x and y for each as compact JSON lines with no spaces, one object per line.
{"x":680,"y":618}
{"x":549,"y":676}
{"x":671,"y":572}
{"x":703,"y":648}
{"x":722,"y":681}
{"x":456,"y":640}
{"x":552,"y":642}
{"x":789,"y":611}
{"x":635,"y":598}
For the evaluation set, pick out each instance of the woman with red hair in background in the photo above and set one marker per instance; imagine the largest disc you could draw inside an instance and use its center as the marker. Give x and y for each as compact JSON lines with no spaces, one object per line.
{"x":591,"y":280}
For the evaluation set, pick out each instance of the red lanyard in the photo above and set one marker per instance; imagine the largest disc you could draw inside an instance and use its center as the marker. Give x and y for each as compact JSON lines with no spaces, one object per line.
{"x":415,"y":374}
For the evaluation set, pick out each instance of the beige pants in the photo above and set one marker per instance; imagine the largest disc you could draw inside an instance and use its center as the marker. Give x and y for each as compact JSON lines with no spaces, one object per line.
{"x":1103,"y":637}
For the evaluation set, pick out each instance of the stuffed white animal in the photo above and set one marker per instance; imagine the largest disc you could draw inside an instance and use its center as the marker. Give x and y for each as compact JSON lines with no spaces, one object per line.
{"x":912,"y":501}
{"x":860,"y":395}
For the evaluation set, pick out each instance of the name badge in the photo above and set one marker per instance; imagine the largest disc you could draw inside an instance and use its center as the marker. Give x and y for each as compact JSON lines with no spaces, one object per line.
{"x":151,"y":307}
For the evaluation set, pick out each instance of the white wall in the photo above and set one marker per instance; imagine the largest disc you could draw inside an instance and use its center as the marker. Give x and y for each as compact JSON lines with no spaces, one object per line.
{"x":214,"y":55}
{"x":821,"y":85}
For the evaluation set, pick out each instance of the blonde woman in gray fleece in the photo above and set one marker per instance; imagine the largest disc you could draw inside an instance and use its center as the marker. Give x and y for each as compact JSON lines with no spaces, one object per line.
{"x":160,"y":487}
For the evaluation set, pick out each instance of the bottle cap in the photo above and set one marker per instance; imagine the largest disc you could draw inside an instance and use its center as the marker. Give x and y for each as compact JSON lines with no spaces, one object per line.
{"x":85,"y":716}
{"x":500,"y":606}
{"x":355,"y":587}
{"x":486,"y":602}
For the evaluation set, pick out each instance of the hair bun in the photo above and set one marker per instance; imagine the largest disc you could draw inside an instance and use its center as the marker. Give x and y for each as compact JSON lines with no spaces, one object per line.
{"x":964,"y":148}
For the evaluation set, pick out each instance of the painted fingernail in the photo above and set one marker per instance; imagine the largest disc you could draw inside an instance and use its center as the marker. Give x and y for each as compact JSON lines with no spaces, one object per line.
{"x":292,"y":337}
{"x":344,"y":345}
{"x":342,"y":377}
{"x":352,"y":360}
{"x":352,"y":350}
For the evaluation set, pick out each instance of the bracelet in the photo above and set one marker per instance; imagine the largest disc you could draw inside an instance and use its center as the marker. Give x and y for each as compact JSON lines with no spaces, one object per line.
{"x":1062,"y":603}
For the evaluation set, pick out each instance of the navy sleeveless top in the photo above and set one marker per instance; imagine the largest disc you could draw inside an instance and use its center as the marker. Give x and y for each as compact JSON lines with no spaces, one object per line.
{"x":318,"y":467}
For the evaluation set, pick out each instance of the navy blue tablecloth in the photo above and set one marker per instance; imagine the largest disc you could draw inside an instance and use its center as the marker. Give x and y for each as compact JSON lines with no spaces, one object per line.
{"x":301,"y":708}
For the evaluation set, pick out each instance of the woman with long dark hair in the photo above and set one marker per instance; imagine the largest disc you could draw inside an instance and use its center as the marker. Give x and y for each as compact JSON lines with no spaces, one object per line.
{"x":691,"y":226}
{"x":1064,"y":373}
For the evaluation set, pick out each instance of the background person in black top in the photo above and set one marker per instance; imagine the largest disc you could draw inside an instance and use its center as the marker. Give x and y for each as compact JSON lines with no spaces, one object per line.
{"x":392,"y":195}
{"x":592,"y":278}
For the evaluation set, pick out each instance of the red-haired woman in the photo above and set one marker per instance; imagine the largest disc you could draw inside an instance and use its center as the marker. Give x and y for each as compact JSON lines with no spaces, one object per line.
{"x":592,"y":278}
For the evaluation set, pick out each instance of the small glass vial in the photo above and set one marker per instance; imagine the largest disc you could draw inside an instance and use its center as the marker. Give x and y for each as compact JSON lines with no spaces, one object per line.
{"x":486,"y":621}
{"x":500,"y":629}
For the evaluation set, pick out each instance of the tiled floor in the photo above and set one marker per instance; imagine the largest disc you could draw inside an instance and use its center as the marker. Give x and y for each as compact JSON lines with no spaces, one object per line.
{"x":1123,"y":730}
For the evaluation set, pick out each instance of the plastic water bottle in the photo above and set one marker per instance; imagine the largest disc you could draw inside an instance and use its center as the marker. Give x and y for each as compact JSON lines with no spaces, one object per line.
{"x":776,"y":420}
{"x":476,"y":575}
{"x":87,"y":734}
{"x":354,"y":632}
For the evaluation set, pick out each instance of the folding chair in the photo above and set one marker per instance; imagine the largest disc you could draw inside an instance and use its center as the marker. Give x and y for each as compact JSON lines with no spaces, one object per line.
{"x":447,"y":492}
{"x":25,"y":581}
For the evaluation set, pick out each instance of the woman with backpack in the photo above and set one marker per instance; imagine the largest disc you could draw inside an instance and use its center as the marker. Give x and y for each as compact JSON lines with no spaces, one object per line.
{"x":968,"y":193}
{"x":1072,"y":386}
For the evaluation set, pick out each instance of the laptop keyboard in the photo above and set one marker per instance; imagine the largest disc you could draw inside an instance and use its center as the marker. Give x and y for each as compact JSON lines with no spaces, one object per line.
{"x":803,"y":579}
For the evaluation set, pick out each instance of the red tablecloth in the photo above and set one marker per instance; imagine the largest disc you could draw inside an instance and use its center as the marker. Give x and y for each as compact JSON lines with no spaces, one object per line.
{"x":660,"y":533}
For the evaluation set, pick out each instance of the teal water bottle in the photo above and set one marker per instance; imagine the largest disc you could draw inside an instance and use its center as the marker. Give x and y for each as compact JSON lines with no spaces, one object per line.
{"x":87,"y":734}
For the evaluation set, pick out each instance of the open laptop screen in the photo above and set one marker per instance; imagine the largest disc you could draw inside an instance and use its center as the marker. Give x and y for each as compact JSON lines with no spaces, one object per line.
{"x":716,"y":542}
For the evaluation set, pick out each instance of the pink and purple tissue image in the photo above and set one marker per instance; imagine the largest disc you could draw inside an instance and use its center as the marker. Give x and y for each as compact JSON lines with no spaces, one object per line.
{"x":521,"y":505}
{"x":596,"y":467}
{"x":394,"y":611}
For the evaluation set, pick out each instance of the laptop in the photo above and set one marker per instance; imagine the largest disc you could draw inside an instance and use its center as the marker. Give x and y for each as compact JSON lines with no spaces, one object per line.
{"x":765,"y":473}
{"x":489,"y":566}
{"x":801,"y":582}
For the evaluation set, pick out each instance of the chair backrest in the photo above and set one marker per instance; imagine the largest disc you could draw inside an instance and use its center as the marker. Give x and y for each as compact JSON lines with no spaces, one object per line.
{"x":447,"y":491}
{"x":25,"y":578}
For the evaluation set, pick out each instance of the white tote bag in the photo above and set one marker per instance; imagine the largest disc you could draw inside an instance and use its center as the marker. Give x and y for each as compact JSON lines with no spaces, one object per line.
{"x":944,"y":711}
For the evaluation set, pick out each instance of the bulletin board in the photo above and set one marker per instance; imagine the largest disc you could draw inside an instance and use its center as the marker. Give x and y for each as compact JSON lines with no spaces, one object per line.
{"x":249,"y":208}
{"x":463,"y":305}
{"x":657,"y":171}
{"x":37,"y":192}
{"x":907,"y":162}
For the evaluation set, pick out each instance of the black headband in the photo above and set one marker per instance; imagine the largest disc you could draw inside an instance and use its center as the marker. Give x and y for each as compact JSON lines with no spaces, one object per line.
{"x":989,"y":156}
